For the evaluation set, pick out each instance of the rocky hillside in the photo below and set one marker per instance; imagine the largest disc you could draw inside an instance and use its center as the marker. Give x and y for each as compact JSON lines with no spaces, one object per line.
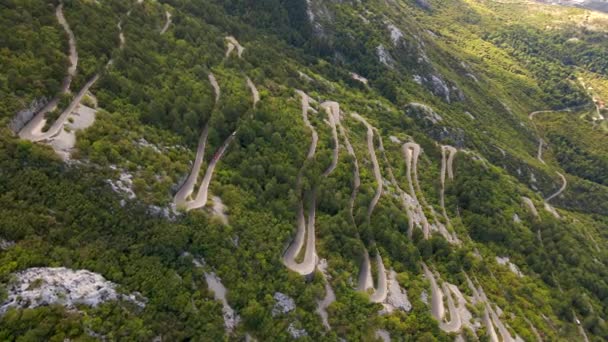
{"x":421,"y":170}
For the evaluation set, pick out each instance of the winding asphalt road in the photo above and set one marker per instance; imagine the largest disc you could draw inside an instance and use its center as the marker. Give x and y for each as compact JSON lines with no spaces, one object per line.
{"x":446,"y":169}
{"x":376,"y":166}
{"x":203,"y":191}
{"x":181,"y":197}
{"x":333,"y":114}
{"x":437,"y":308}
{"x":411,"y":151}
{"x":366,"y":282}
{"x":310,"y":258}
{"x":33,"y":129}
{"x":356,"y":175}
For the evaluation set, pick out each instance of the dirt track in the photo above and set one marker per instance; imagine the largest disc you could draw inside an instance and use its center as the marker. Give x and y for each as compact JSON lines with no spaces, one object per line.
{"x":561,"y":189}
{"x":167,"y":23}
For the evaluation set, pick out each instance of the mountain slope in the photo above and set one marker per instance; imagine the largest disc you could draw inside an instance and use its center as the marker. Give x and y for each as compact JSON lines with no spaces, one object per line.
{"x":423,"y":170}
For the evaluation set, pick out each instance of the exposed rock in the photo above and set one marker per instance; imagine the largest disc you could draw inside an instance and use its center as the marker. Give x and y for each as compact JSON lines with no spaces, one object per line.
{"x":440,"y":88}
{"x":231,"y":319}
{"x":397,"y":296}
{"x":455,"y":136}
{"x":123,"y":185}
{"x":284,"y":304}
{"x":41,"y":286}
{"x":359,"y":78}
{"x":422,"y":112}
{"x":4,"y":244}
{"x":505,"y":261}
{"x":424,"y":297}
{"x":318,"y":14}
{"x":25,"y":115}
{"x":295,"y":332}
{"x":396,"y":34}
{"x":516,"y":218}
{"x":170,"y":213}
{"x":383,"y":335}
{"x":144,"y":143}
{"x":305,"y":77}
{"x":218,"y":209}
{"x":384,"y":56}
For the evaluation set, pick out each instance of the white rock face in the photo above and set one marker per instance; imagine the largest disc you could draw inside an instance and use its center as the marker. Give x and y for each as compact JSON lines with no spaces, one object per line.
{"x":284,"y":304}
{"x":231,"y":319}
{"x":383,"y":335}
{"x":505,"y":261}
{"x":383,"y":56}
{"x":397,"y":296}
{"x":396,"y":33}
{"x":4,"y":244}
{"x":124,"y":185}
{"x":359,"y":78}
{"x":40,"y":286}
{"x":295,"y":332}
{"x":516,"y":218}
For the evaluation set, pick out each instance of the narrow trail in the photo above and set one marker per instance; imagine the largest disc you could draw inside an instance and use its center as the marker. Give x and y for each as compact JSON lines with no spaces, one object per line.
{"x":216,"y":87}
{"x":330,"y":296}
{"x":581,"y":330}
{"x":561,"y":189}
{"x":333,"y":114}
{"x":539,"y":154}
{"x":121,"y":36}
{"x":565,"y":110}
{"x":528,"y":202}
{"x":234,"y":44}
{"x":167,"y":23}
{"x":254,"y":92}
{"x":73,"y":56}
{"x":365,"y":279}
{"x":307,"y":266}
{"x":34,"y":127}
{"x":376,"y":166}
